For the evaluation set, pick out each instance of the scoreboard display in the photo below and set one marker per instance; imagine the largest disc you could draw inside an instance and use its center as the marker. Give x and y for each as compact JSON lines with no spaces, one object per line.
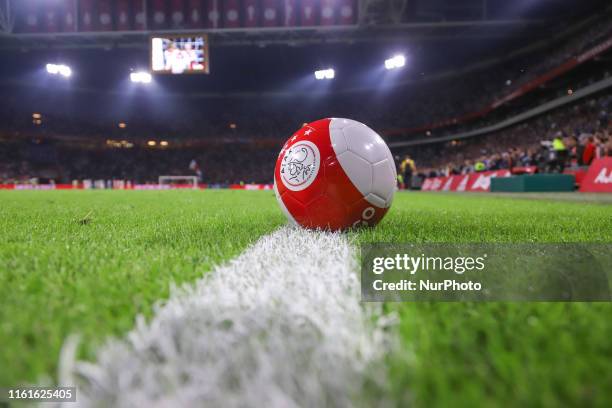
{"x":179,"y":54}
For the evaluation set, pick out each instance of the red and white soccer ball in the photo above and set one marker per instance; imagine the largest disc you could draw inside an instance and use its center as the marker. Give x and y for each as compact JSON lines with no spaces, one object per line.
{"x":335,"y":174}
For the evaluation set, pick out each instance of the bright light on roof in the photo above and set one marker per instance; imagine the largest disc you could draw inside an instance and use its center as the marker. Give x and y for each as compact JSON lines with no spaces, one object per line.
{"x":140,"y":77}
{"x":52,"y":69}
{"x":397,"y":61}
{"x":325,"y":74}
{"x":61,"y":69}
{"x":65,"y":70}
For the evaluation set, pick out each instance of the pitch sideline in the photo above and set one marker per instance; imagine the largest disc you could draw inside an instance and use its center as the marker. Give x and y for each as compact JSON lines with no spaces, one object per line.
{"x":280,"y":325}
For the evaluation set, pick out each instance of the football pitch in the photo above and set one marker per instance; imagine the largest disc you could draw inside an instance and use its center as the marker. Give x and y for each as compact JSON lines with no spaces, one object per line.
{"x":89,"y":262}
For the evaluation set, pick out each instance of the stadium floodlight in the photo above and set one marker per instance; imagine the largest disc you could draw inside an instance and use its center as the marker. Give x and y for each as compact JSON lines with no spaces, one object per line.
{"x":61,"y":69}
{"x":328,"y":73}
{"x":140,"y":77}
{"x":65,"y":71}
{"x":52,"y":69}
{"x":145,"y":77}
{"x":397,"y":61}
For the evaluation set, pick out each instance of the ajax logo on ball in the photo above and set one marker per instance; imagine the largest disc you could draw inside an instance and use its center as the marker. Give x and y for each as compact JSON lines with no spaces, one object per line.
{"x":300,"y":165}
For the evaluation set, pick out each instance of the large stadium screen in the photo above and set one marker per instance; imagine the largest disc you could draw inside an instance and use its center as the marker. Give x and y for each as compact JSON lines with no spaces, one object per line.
{"x":179,"y":54}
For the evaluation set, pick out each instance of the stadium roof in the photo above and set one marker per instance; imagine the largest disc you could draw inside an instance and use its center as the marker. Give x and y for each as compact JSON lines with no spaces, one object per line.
{"x":378,"y":21}
{"x":437,"y":37}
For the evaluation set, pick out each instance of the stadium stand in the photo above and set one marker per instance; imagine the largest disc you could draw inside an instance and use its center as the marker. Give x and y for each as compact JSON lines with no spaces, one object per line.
{"x":73,"y":140}
{"x":232,"y":161}
{"x":524,"y":145}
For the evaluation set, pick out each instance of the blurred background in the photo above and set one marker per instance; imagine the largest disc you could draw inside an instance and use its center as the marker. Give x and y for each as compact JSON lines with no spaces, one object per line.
{"x":116,"y":93}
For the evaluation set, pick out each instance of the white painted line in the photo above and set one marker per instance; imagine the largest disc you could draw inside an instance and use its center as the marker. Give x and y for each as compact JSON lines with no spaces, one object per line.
{"x":279,"y":326}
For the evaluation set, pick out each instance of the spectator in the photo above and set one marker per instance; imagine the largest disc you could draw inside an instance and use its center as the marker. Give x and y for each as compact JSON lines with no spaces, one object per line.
{"x":407,"y":170}
{"x":589,"y":151}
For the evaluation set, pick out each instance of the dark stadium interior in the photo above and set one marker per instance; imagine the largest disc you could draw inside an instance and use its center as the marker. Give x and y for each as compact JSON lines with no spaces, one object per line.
{"x":261,"y":89}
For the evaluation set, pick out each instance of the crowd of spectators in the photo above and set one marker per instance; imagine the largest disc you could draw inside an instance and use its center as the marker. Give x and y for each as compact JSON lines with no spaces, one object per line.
{"x":422,"y":99}
{"x":235,"y":127}
{"x":219,"y":163}
{"x":570,"y":136}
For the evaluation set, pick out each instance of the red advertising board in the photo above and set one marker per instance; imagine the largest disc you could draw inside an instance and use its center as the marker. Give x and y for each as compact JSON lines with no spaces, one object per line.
{"x":123,"y":185}
{"x":599,"y":177}
{"x":577,"y":173}
{"x":524,"y":170}
{"x":251,"y":186}
{"x":463,"y":182}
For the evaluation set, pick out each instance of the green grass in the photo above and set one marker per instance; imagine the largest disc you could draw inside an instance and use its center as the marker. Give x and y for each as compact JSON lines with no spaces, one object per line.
{"x":88,"y":262}
{"x":499,"y":354}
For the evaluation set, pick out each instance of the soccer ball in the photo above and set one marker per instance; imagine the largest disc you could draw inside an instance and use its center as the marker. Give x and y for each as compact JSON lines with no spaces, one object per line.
{"x":335,"y":174}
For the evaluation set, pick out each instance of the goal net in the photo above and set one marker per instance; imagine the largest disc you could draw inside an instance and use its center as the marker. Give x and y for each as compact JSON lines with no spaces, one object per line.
{"x":179,"y":181}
